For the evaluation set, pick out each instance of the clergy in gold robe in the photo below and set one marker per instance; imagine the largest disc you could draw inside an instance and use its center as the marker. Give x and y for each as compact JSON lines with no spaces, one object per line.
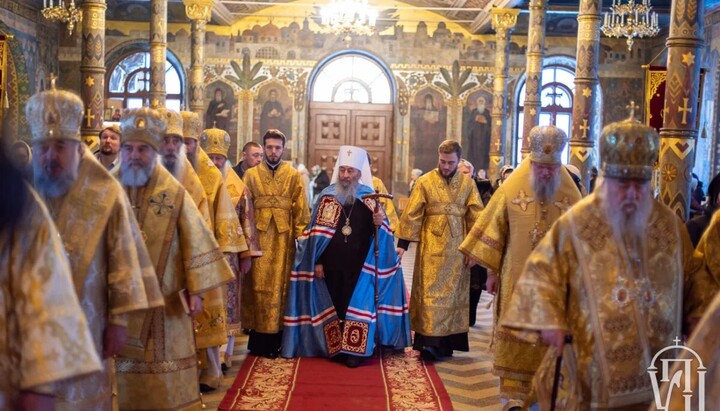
{"x":44,"y":337}
{"x":212,"y":329}
{"x":216,"y":142}
{"x":282,"y":212}
{"x":443,"y":206}
{"x":617,"y":273}
{"x":158,"y":367}
{"x":518,"y":215}
{"x":97,"y":227}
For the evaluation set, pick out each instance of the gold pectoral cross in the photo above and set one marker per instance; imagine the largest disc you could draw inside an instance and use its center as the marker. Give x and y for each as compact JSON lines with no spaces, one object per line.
{"x":536,"y":234}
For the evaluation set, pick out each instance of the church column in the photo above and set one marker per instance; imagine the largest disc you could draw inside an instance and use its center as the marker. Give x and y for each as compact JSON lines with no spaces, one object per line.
{"x":158,"y":51}
{"x":92,"y":69}
{"x":199,"y":12}
{"x":585,"y":110}
{"x":679,"y":132}
{"x":503,"y":22}
{"x":533,"y":82}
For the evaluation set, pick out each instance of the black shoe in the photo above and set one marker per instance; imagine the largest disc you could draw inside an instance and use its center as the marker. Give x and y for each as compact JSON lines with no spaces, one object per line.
{"x":246,"y":331}
{"x":270,"y":355}
{"x":224,"y":368}
{"x":206,"y":388}
{"x":338,"y":358}
{"x":429,"y":354}
{"x":515,"y":408}
{"x":352,"y":361}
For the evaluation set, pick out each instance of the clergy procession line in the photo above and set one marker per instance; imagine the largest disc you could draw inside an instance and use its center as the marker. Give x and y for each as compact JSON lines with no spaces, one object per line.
{"x":127,"y":275}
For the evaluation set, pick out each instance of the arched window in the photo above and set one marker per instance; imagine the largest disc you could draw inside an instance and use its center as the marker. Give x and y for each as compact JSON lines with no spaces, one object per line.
{"x":556,"y":101}
{"x":129,"y":81}
{"x":352,"y":79}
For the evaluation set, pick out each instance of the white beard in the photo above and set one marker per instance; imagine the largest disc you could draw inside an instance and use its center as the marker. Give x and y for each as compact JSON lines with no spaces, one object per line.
{"x":224,"y":170}
{"x":545,"y":191}
{"x":346,"y":195}
{"x":132,"y":177}
{"x":627,"y":229}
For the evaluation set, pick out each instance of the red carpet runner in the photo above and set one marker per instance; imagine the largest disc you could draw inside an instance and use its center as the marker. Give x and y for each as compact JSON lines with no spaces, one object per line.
{"x":401,"y":381}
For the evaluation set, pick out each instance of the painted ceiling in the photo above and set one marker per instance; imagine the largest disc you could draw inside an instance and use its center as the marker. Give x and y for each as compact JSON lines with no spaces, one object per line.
{"x":473,"y":15}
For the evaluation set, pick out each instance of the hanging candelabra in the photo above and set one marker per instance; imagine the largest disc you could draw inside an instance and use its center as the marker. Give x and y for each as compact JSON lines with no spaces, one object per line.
{"x":632,"y":19}
{"x":63,"y":12}
{"x":348,"y":17}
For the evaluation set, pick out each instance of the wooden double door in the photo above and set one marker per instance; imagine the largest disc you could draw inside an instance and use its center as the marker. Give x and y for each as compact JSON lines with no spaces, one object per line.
{"x":368,"y":126}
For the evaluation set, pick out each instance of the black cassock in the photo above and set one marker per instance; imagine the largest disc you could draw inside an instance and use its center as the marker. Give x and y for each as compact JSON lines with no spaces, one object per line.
{"x":344,"y":257}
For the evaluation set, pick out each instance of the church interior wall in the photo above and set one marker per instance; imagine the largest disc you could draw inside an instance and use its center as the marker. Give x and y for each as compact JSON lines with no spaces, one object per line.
{"x":32,"y":56}
{"x":289,"y":49}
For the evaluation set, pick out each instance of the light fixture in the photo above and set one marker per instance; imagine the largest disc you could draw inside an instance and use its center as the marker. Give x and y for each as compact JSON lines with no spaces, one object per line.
{"x":631,"y":20}
{"x":63,"y":12}
{"x":348,"y":17}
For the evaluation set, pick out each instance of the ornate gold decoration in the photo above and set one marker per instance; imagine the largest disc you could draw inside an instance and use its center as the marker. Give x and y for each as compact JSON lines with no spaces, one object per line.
{"x":688,"y":58}
{"x":54,"y":114}
{"x":586,"y":92}
{"x":504,"y":19}
{"x":62,"y":12}
{"x":629,"y":149}
{"x":631,"y":20}
{"x":669,"y":172}
{"x":547,"y":144}
{"x":199,"y":9}
{"x":215,"y":141}
{"x":143,"y":124}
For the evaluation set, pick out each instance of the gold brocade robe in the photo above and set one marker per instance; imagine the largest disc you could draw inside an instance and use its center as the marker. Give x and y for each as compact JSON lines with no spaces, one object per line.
{"x":580,"y":280}
{"x":158,"y":368}
{"x":242,"y":201}
{"x":212,"y":329}
{"x":98,"y":230}
{"x":438,"y":216}
{"x":44,"y":337}
{"x":387,"y":203}
{"x":282,"y":213}
{"x":191,"y":181}
{"x":501,"y":240}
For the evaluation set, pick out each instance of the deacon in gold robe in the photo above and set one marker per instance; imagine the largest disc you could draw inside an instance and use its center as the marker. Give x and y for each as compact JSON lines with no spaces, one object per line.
{"x":387,"y":203}
{"x":44,"y":338}
{"x":98,"y":230}
{"x":212,"y":329}
{"x":158,"y":367}
{"x":216,"y":142}
{"x":282,"y":212}
{"x":443,"y":206}
{"x":518,"y":215}
{"x":617,"y":273}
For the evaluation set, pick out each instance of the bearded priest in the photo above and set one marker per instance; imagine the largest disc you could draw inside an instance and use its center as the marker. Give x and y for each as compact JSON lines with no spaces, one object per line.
{"x":331,"y":309}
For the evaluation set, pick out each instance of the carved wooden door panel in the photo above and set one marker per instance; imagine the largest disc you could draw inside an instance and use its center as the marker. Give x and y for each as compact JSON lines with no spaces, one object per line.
{"x":368,"y":126}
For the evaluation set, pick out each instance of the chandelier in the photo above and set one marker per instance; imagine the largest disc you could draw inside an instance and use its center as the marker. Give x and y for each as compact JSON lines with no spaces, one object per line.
{"x":62,"y":12}
{"x":631,"y":20}
{"x":348,"y":17}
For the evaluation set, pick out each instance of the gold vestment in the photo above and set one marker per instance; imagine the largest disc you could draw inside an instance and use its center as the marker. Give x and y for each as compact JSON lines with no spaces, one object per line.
{"x":44,"y":337}
{"x":282,"y":213}
{"x":97,"y":227}
{"x":580,"y":280}
{"x":242,"y":201}
{"x":158,"y":368}
{"x":438,"y":216}
{"x":212,"y":324}
{"x":387,"y":203}
{"x":501,"y":240}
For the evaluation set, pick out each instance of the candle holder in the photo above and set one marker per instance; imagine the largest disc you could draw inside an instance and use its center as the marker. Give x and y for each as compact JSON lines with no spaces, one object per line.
{"x":630,"y":20}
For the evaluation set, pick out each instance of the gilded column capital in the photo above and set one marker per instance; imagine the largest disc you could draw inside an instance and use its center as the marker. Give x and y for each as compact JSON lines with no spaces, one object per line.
{"x":199,"y":9}
{"x":504,"y":19}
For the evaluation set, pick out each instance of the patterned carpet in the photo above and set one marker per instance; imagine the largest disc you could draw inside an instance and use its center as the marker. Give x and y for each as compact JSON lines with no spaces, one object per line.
{"x":467,"y":376}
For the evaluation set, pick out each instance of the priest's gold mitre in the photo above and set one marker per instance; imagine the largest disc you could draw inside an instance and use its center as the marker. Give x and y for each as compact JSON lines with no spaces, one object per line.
{"x":215,"y":141}
{"x":547,"y":144}
{"x":143,"y":124}
{"x":628,"y":149}
{"x":191,"y":124}
{"x":174,"y":121}
{"x":54,"y":114}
